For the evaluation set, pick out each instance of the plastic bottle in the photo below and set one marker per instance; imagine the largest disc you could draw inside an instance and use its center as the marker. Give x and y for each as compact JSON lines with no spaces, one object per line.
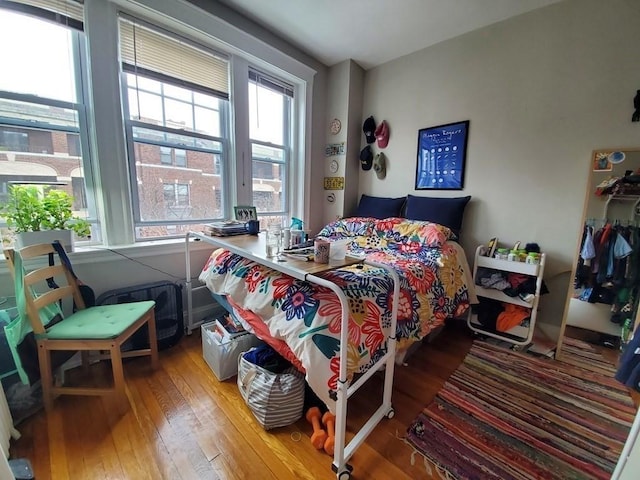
{"x":513,"y":256}
{"x":532,"y":258}
{"x":286,"y":238}
{"x":625,"y":333}
{"x":502,"y":254}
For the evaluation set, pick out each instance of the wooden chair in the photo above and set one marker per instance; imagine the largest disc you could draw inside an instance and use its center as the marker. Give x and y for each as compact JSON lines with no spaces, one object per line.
{"x":99,"y":328}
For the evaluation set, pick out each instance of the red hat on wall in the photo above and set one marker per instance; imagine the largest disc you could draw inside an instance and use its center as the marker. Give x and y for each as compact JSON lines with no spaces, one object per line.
{"x":382,"y":134}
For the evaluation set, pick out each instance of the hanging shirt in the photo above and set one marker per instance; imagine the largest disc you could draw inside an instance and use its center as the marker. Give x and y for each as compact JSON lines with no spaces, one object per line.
{"x":621,"y":248}
{"x":588,"y":250}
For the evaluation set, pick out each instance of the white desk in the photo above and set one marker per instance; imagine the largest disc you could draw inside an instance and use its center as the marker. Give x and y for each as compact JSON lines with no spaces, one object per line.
{"x":253,"y":248}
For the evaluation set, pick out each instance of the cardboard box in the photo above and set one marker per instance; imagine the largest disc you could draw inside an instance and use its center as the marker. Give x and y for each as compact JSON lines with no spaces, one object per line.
{"x":222,"y":356}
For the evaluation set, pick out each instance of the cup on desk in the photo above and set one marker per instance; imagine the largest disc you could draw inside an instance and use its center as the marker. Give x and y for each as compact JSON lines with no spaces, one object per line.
{"x":274,"y":234}
{"x":321,"y":251}
{"x":338,"y":249}
{"x":252,"y":227}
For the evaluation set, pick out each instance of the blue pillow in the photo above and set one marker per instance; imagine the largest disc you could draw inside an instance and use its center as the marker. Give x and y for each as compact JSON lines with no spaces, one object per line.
{"x":379,"y":207}
{"x":445,"y":211}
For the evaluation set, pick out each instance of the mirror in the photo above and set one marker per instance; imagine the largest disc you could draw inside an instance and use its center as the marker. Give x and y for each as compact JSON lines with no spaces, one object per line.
{"x":604,"y":287}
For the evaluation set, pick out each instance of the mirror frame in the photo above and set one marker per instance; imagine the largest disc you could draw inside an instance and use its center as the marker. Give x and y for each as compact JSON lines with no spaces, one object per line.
{"x":574,"y":266}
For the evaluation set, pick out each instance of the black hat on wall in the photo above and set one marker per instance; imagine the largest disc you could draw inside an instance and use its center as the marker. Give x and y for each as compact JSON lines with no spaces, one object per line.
{"x":369,"y":129}
{"x":366,"y":158}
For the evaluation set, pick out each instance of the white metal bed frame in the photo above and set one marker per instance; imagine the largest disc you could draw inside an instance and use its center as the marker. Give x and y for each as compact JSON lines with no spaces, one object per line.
{"x":343,"y":451}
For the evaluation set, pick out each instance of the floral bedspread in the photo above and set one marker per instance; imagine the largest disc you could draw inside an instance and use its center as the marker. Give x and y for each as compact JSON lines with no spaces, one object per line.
{"x":307,"y":317}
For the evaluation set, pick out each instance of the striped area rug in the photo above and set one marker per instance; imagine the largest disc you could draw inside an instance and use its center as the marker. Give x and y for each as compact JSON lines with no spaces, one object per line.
{"x":509,"y":415}
{"x":583,"y":354}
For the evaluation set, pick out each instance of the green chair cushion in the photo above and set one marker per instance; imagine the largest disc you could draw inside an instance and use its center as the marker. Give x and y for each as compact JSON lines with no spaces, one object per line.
{"x":99,"y":322}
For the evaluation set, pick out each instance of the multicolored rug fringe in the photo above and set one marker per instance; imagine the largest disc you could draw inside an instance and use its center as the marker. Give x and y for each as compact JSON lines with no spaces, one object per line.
{"x":508,"y":415}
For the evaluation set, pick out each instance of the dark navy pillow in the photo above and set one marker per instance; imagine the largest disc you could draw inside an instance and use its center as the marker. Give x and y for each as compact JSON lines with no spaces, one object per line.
{"x":445,"y":211}
{"x":379,"y":207}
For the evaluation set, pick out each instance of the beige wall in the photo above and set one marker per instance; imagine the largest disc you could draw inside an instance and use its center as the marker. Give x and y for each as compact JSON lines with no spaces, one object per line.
{"x":541,"y":91}
{"x":344,"y":102}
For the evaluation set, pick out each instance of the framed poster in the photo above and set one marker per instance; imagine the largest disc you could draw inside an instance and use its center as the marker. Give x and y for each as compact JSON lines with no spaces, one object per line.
{"x":244,"y":213}
{"x":601,"y":162}
{"x":442,"y":152}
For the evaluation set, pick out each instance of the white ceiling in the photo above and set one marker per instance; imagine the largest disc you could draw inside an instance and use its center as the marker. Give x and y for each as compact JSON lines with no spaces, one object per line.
{"x":372,"y":32}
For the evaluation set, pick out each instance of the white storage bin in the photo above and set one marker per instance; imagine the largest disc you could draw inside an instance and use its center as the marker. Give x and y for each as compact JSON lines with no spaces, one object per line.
{"x":222,"y":357}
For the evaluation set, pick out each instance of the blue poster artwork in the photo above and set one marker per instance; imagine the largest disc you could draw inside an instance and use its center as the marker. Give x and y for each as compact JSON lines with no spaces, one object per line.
{"x":442,"y":152}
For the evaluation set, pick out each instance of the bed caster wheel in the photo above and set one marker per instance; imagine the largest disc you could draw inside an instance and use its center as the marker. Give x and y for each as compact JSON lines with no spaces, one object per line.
{"x":344,"y":474}
{"x":390,"y":414}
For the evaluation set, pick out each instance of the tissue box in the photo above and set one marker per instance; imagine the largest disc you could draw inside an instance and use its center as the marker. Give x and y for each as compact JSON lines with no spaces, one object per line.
{"x":222,"y":356}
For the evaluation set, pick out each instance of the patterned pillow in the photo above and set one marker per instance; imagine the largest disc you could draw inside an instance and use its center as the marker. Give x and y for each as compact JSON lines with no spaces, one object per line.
{"x":348,"y":227}
{"x":416,"y":232}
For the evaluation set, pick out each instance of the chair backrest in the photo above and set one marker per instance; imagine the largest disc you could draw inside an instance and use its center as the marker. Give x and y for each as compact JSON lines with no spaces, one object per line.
{"x":28,"y":281}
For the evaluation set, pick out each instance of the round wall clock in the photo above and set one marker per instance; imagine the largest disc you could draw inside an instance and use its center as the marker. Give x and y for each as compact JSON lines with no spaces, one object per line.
{"x":333,"y":166}
{"x":335,"y":126}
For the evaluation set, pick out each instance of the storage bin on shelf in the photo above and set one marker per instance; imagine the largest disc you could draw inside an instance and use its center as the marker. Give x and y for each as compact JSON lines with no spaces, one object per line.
{"x":521,"y":334}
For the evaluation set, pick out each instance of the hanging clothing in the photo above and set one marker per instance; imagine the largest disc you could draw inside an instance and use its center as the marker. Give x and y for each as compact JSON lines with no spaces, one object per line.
{"x":629,"y":370}
{"x":588,"y":249}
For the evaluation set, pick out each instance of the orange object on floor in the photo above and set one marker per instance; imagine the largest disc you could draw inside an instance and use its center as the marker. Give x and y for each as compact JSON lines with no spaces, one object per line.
{"x":329,"y":421}
{"x":319,"y":436}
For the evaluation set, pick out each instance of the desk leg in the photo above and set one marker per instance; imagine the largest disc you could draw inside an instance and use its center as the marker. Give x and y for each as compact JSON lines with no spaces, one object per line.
{"x":187,"y":286}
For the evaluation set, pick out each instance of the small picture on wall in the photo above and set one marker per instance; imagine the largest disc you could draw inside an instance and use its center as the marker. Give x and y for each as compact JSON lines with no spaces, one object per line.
{"x":601,"y":162}
{"x":245,"y":213}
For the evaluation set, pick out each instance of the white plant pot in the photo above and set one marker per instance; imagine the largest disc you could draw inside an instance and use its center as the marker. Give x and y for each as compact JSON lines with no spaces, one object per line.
{"x":65,"y":237}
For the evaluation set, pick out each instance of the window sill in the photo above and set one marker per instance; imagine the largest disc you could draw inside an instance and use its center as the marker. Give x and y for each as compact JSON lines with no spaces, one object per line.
{"x":97,"y":253}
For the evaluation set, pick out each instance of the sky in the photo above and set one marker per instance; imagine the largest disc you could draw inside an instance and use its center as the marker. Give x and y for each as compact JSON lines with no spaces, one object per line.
{"x":39,"y":64}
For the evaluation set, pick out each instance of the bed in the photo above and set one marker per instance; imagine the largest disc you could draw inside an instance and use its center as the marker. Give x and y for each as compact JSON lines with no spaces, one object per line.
{"x":302,"y":319}
{"x":416,"y":261}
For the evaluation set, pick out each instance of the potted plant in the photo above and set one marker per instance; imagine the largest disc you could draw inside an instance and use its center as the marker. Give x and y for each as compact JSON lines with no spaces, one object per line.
{"x":37,"y":217}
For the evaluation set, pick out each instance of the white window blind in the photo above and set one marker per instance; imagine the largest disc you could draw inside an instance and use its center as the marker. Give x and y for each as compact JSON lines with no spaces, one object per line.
{"x":272,"y":83}
{"x":155,"y":53}
{"x":65,"y":12}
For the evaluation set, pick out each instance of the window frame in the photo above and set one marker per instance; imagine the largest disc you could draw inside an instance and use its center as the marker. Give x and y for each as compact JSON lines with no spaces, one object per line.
{"x":288,"y":107}
{"x":81,"y":106}
{"x":130,"y":124}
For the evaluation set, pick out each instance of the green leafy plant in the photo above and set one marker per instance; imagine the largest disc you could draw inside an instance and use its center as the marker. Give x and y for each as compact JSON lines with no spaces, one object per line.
{"x":29,"y":210}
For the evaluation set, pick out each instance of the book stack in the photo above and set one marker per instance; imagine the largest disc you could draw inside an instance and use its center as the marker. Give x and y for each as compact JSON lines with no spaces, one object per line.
{"x":227,"y":328}
{"x":224,"y":229}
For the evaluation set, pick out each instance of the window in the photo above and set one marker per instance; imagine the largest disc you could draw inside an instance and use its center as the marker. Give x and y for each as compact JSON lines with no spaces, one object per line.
{"x":176,"y":195}
{"x":217,"y":165}
{"x":176,"y":200}
{"x":270,"y":112}
{"x":176,"y":118}
{"x":173,"y":156}
{"x":175,"y":109}
{"x":42,"y":109}
{"x":165,"y":156}
{"x":73,"y":144}
{"x":181,"y":157}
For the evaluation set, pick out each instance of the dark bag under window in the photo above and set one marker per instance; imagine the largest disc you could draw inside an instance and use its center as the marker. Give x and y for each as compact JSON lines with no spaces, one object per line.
{"x":168,"y":312}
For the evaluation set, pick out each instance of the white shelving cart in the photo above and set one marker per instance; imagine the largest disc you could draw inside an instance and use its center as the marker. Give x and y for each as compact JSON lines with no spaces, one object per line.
{"x":519,"y":335}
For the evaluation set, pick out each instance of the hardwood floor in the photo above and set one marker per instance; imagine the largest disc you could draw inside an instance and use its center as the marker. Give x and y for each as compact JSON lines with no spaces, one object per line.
{"x":185,"y":424}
